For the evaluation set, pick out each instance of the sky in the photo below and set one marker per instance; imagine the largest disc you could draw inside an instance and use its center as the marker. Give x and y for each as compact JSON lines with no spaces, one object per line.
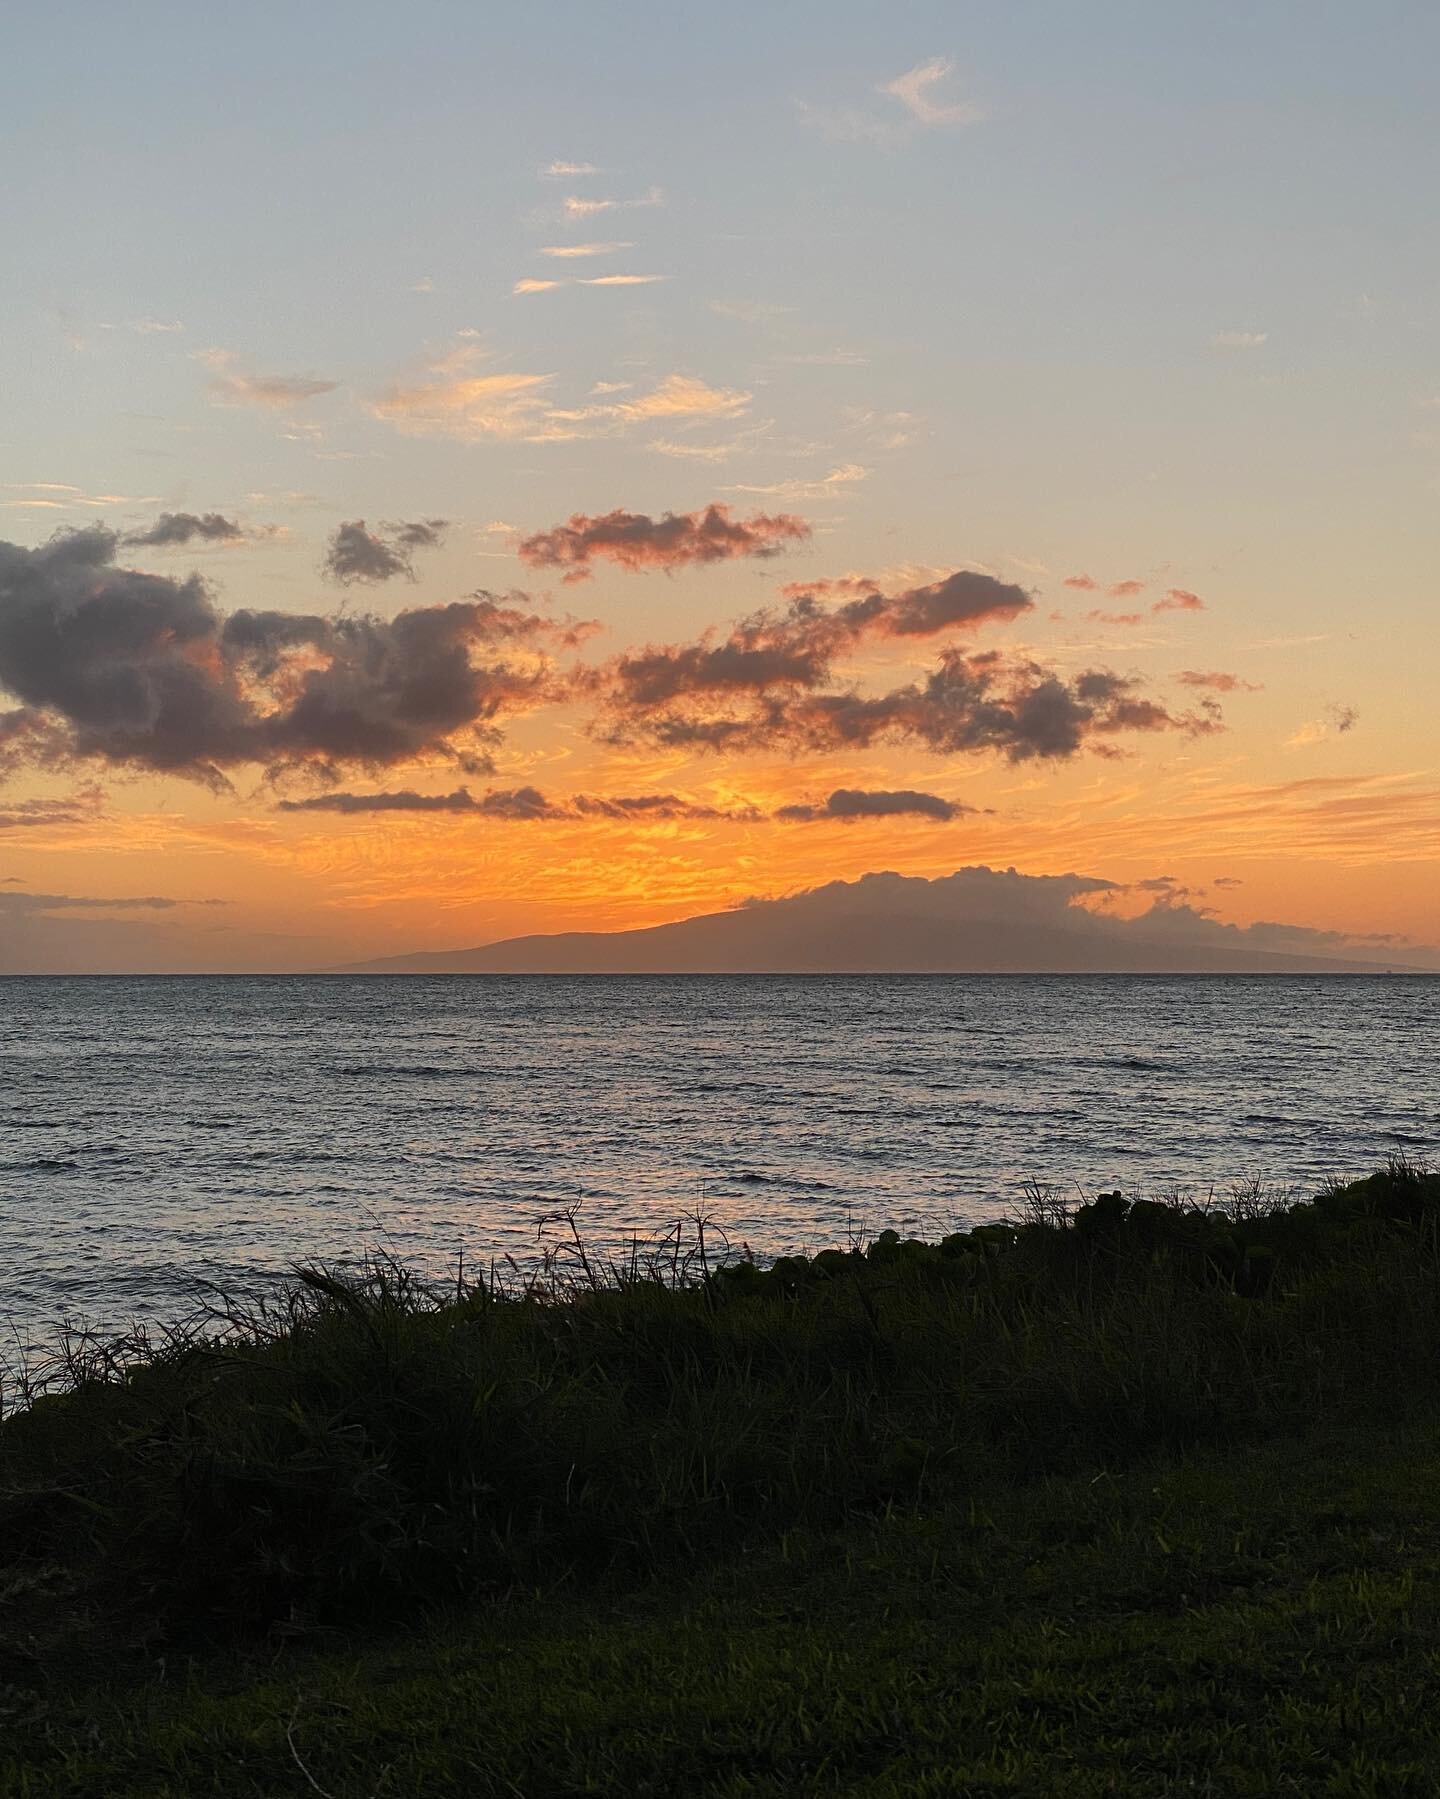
{"x":466,"y":473}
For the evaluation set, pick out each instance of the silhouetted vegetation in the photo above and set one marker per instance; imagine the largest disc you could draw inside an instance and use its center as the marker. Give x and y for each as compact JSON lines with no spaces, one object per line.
{"x":368,"y":1443}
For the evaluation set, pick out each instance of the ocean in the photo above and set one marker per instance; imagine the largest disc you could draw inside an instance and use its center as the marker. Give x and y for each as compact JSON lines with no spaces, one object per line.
{"x":159,"y":1131}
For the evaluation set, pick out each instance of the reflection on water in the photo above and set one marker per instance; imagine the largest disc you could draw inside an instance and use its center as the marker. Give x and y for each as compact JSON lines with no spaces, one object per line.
{"x":156,"y":1129}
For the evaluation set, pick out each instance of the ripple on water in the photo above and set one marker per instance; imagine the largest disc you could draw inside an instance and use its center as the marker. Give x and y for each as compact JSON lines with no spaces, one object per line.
{"x":154,"y":1130}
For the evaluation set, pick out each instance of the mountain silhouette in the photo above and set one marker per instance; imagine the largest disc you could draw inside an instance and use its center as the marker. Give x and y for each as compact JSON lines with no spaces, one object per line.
{"x":977,"y":920}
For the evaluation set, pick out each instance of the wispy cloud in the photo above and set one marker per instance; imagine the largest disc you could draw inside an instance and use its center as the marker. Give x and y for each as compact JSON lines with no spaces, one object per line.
{"x":79,"y":808}
{"x":233,"y":386}
{"x":918,"y":91}
{"x":667,"y":446}
{"x":578,"y":207}
{"x":573,"y":250}
{"x":838,"y":478}
{"x":749,"y":312}
{"x":1217,"y":681}
{"x":1335,"y":721}
{"x":828,"y":359}
{"x":60,"y":496}
{"x":1238,"y":340}
{"x":452,"y":400}
{"x":915,"y":90}
{"x":1174,"y":599}
{"x":685,"y":396}
{"x":556,"y":171}
{"x":881,"y":430}
{"x":532,"y":285}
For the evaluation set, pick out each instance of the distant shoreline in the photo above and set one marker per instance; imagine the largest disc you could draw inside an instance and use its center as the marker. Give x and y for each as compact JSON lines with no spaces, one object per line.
{"x":364,"y":971}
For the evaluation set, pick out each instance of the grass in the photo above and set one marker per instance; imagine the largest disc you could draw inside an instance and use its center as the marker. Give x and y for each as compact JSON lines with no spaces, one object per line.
{"x":1257,"y":1624}
{"x":1133,"y":1499}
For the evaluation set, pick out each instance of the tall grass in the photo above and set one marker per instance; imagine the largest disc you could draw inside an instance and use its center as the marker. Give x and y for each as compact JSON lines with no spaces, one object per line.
{"x":366,"y":1441}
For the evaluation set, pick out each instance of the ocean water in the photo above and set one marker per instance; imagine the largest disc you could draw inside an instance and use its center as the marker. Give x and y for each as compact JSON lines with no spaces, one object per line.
{"x":158,"y":1130}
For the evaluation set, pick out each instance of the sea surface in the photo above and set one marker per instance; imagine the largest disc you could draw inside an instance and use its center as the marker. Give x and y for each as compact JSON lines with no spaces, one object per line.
{"x":156,"y":1131}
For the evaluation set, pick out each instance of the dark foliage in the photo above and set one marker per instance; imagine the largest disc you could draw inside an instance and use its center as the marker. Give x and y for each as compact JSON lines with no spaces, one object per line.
{"x":368,"y":1443}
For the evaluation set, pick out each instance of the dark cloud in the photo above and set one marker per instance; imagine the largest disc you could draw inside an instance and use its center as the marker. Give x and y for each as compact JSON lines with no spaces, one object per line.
{"x":11,"y":903}
{"x":637,"y":542}
{"x":1216,"y":681}
{"x":28,"y":739}
{"x":516,"y":803}
{"x":528,"y":804}
{"x":766,"y":679}
{"x":15,"y":815}
{"x":405,"y":800}
{"x":794,"y":649}
{"x":964,"y":598}
{"x":521,"y":805}
{"x":173,"y":530}
{"x":355,"y":554}
{"x":850,"y":803}
{"x":419,"y":533}
{"x":141,"y":670}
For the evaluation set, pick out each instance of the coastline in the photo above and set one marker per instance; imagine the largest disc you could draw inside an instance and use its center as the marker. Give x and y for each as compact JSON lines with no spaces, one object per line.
{"x":943,"y":1485}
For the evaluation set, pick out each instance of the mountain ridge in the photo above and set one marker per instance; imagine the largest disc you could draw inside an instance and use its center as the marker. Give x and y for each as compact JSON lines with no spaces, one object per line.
{"x":975,"y":921}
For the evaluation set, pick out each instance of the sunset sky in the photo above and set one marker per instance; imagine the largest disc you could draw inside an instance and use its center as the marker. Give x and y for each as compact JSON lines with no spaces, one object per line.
{"x":471,"y":471}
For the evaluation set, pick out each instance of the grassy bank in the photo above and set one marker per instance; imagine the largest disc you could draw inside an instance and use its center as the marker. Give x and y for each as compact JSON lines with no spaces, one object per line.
{"x":1253,"y":1624}
{"x":1139,"y":1486}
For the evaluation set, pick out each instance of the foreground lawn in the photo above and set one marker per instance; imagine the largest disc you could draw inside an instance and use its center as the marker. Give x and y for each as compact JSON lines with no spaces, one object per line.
{"x":1131,"y":1498}
{"x":1227,"y":1621}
